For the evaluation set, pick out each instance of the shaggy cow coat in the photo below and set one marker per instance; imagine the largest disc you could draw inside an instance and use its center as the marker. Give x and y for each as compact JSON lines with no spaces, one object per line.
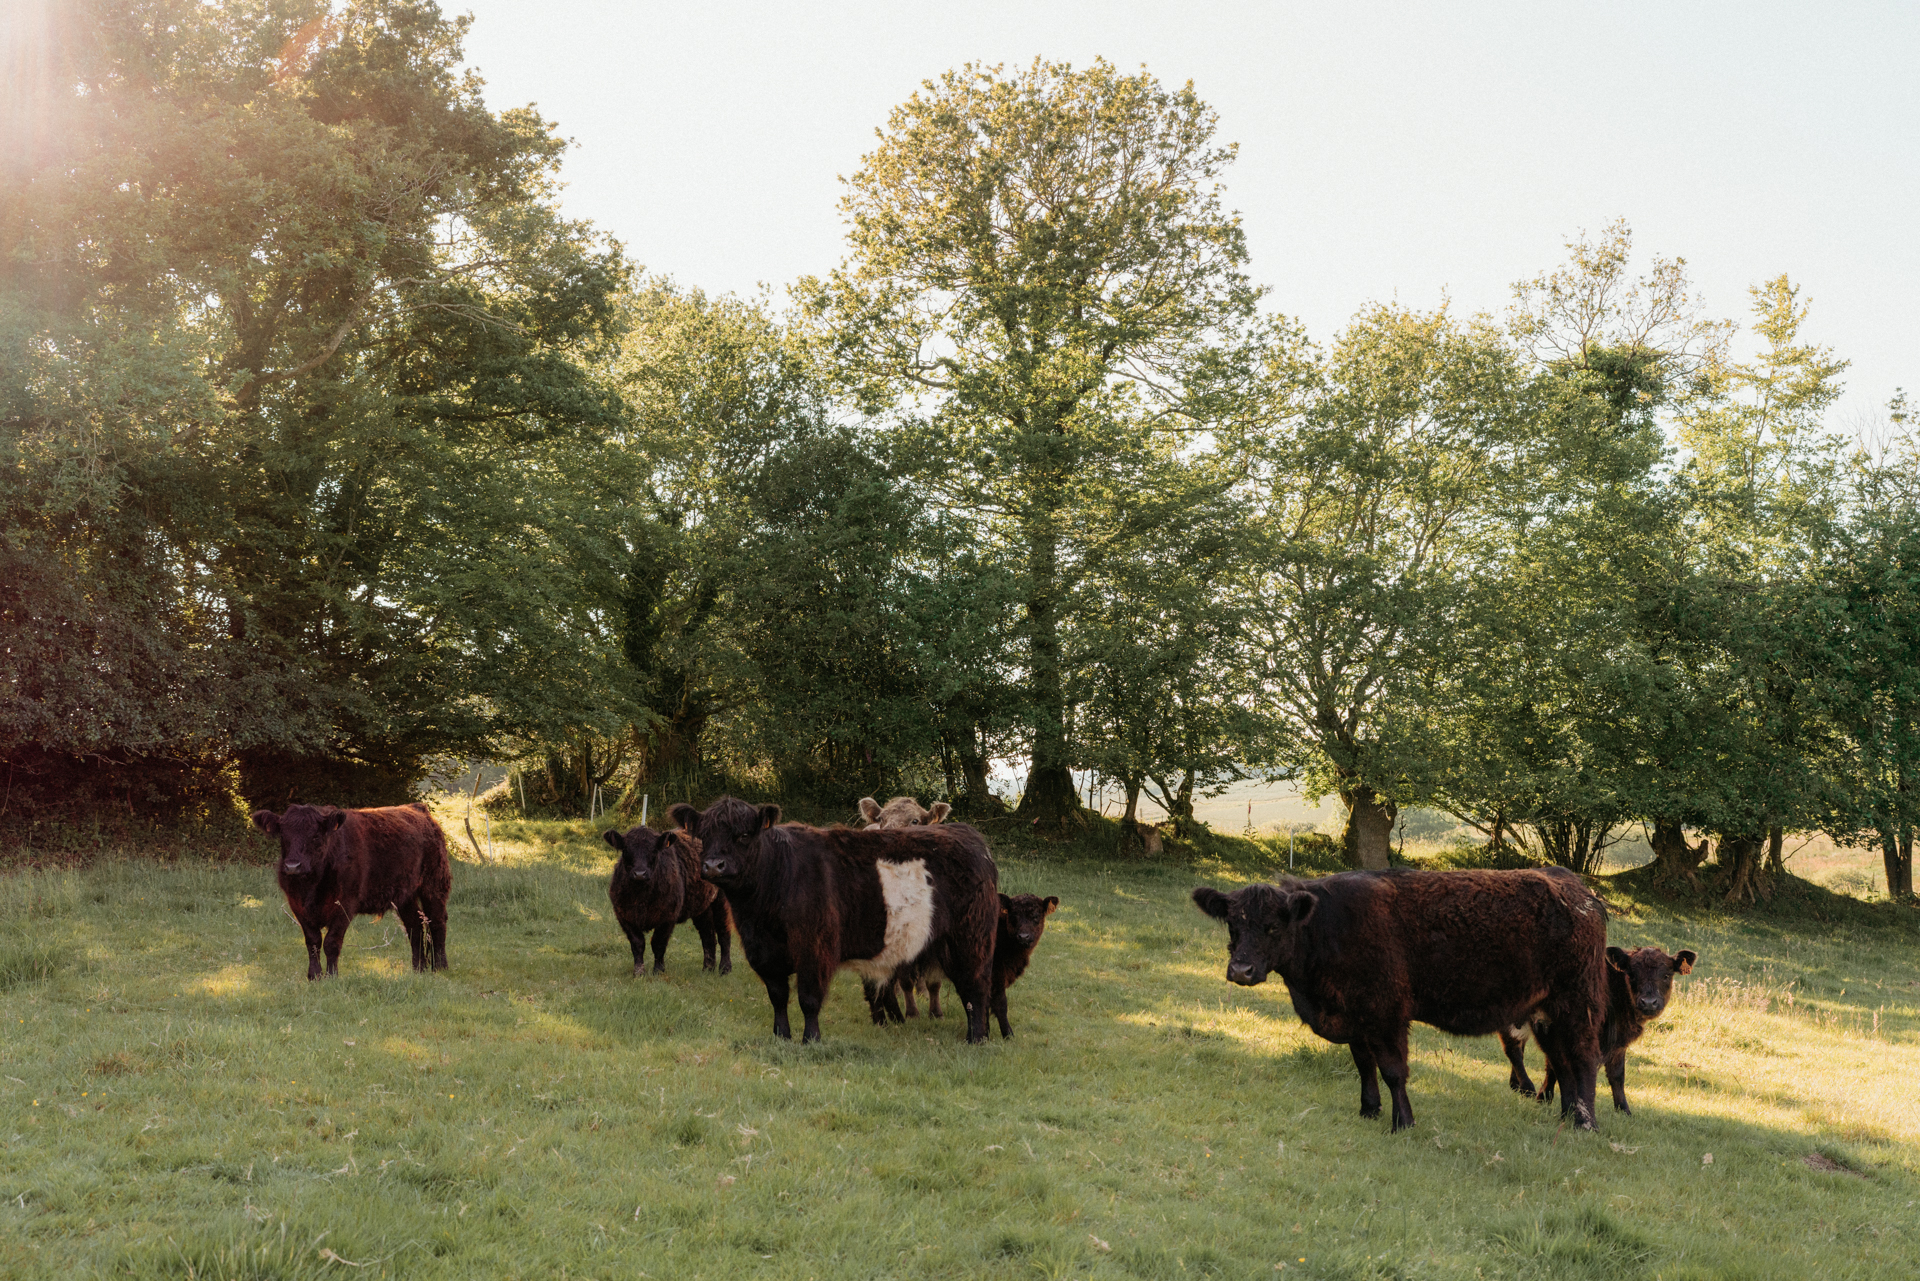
{"x":337,"y":864}
{"x":1472,"y":953}
{"x":808,"y":901}
{"x":656,"y":885}
{"x":1639,"y":984}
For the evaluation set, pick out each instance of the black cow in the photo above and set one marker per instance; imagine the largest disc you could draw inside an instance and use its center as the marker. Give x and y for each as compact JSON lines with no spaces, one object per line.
{"x":1638,"y":985}
{"x":809,"y":900}
{"x":656,"y":884}
{"x":1472,"y":953}
{"x":337,"y":864}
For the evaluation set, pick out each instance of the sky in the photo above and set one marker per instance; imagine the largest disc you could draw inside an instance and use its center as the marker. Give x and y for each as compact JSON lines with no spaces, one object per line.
{"x":1408,"y":152}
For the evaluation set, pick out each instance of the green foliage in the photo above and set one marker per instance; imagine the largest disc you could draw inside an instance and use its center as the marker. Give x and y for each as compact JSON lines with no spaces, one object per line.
{"x":302,"y":460}
{"x":1036,"y":258}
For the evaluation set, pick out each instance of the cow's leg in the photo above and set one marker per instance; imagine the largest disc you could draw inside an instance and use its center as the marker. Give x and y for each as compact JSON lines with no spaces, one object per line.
{"x":413,"y":921}
{"x":1548,"y":1080}
{"x":1392,"y":1057}
{"x":312,"y":935}
{"x":973,"y":984}
{"x":890,"y":1001}
{"x":660,"y":936}
{"x":871,"y":991}
{"x":1515,"y":1044}
{"x":813,"y":975}
{"x":777,"y":995}
{"x":906,"y":995}
{"x":437,"y":930}
{"x":1369,"y":1077}
{"x":997,"y":1002}
{"x":337,"y":923}
{"x":1576,"y":1066}
{"x":637,"y":940}
{"x":933,"y":998}
{"x":703,"y":922}
{"x":1617,"y":1078}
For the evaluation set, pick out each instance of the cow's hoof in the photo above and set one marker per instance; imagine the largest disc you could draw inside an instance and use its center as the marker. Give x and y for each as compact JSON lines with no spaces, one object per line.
{"x":1369,"y":1113}
{"x":726,"y":967}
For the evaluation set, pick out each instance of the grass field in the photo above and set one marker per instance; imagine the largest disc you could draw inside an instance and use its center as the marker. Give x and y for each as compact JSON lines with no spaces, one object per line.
{"x":177,"y":1101}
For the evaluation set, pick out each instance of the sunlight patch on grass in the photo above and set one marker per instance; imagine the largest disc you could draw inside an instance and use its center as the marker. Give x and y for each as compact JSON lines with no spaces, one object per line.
{"x":228,"y":980}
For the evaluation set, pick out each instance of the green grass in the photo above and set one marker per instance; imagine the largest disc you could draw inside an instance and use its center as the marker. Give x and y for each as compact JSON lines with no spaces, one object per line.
{"x":177,"y":1101}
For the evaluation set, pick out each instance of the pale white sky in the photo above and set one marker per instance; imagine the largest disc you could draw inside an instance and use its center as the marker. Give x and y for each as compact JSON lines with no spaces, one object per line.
{"x":1386,"y":150}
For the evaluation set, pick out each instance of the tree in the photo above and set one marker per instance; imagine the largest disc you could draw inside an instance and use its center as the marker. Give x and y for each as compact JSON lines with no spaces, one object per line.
{"x":300,"y":346}
{"x":1378,"y":485}
{"x":1024,"y":248}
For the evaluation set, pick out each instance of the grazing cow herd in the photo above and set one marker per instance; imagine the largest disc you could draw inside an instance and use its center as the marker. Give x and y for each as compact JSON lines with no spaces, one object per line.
{"x":911,"y":901}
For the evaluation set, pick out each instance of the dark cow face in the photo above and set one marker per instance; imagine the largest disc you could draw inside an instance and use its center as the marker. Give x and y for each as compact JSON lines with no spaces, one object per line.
{"x":1023,"y":917}
{"x":1648,"y":975}
{"x":303,"y":831}
{"x":729,"y":834}
{"x":642,"y":850}
{"x":1263,"y":925}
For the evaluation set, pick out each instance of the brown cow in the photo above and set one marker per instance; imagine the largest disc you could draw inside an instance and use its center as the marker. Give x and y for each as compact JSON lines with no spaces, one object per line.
{"x":1638,"y":985}
{"x":656,"y":884}
{"x":902,"y":811}
{"x":1472,"y":953}
{"x":809,"y":900}
{"x":337,"y":864}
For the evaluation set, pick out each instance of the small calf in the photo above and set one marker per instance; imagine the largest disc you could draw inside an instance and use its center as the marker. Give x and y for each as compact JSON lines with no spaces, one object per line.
{"x":657,"y":884}
{"x":1639,"y":984}
{"x":1023,"y":919}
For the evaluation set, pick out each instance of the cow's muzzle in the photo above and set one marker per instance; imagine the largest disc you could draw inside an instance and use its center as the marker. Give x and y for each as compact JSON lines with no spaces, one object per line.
{"x":1650,"y":1006}
{"x":1245,"y":975}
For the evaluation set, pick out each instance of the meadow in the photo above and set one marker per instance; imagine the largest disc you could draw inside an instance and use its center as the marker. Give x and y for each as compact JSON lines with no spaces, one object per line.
{"x":177,"y":1101}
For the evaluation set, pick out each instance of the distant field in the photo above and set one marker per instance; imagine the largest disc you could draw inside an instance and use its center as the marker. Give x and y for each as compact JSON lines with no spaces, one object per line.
{"x":177,"y":1101}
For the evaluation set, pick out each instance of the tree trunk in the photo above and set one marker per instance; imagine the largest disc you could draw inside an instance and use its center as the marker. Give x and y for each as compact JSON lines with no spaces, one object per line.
{"x":1776,"y":842}
{"x":1050,"y":795}
{"x":1368,"y":835}
{"x":1673,"y":859}
{"x":1746,"y":878}
{"x":1132,"y":815}
{"x":1896,"y":851}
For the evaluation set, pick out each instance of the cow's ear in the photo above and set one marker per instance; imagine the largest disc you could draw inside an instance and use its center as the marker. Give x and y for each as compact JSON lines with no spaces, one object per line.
{"x":1300,"y":905}
{"x":1211,"y":901}
{"x":1683,"y":963}
{"x":1006,"y":905}
{"x":332,"y":820}
{"x":939,"y":812}
{"x":1053,"y":901}
{"x":267,"y":821}
{"x":769,"y":815}
{"x":1619,"y":960}
{"x":684,"y":815}
{"x":616,"y":840}
{"x":869,"y":809}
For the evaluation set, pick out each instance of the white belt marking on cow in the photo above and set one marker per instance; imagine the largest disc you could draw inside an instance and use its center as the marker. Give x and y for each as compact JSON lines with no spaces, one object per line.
{"x":907,"y":891}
